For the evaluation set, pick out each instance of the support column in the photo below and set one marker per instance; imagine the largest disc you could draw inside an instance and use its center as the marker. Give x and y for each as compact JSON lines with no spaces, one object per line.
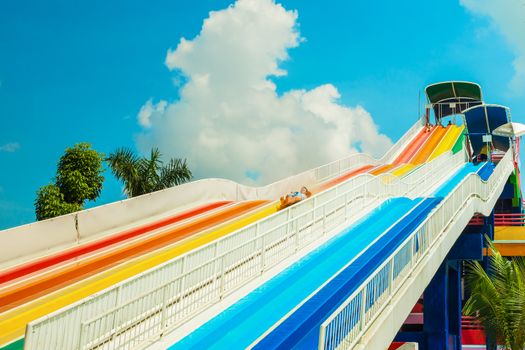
{"x":454,"y":303}
{"x":435,"y":315}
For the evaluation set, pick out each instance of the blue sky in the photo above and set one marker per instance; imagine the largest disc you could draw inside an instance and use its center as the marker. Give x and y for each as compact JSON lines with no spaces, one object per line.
{"x":82,"y":71}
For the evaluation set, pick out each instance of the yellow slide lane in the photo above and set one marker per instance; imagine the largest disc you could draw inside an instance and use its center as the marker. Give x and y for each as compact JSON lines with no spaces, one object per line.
{"x":429,"y":146}
{"x":13,"y":322}
{"x":403,"y":169}
{"x":448,"y":141}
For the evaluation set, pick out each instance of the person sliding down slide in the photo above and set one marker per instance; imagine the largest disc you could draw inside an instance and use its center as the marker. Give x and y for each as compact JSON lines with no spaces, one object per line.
{"x":295,"y":197}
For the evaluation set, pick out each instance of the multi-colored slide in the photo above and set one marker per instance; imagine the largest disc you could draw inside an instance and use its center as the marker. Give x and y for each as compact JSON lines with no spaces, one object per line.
{"x":38,"y":287}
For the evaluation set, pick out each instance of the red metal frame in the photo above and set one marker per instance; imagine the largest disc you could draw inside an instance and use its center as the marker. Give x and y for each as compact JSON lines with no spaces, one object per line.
{"x":472,"y":332}
{"x":501,"y":219}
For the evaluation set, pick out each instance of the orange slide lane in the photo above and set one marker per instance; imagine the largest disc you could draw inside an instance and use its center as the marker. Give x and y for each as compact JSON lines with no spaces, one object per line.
{"x":35,"y":266}
{"x":382,"y":169}
{"x":429,"y":146}
{"x":414,"y":146}
{"x":407,"y":153}
{"x":46,"y":283}
{"x":404,"y":157}
{"x":342,"y":178}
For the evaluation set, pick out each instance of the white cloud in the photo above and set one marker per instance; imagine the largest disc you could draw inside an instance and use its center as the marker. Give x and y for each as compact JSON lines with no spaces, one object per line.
{"x":10,"y":147}
{"x":508,"y":16}
{"x":229,"y":120}
{"x":148,"y":110}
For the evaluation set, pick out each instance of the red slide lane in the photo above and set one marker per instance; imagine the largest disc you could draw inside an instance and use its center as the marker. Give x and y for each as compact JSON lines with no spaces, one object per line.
{"x":49,"y":282}
{"x":34,"y":266}
{"x":413,"y":147}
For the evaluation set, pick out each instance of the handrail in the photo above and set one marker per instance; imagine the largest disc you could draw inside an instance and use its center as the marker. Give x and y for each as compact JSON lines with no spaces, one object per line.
{"x":502,"y":219}
{"x":346,"y":325}
{"x":202,"y":277}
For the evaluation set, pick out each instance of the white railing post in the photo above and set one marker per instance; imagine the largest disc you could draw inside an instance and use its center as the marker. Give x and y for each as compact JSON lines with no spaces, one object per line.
{"x":391,"y":276}
{"x":324,"y":219}
{"x":164,"y":312}
{"x":346,"y":207}
{"x":295,"y":230}
{"x":263,"y":250}
{"x":322,"y":337}
{"x":222,"y":280}
{"x":363,"y":308}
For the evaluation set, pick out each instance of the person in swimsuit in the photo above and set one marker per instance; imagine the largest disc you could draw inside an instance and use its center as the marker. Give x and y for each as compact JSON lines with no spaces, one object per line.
{"x":295,"y":197}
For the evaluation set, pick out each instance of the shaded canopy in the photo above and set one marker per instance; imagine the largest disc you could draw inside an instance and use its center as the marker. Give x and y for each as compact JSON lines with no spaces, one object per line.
{"x":482,"y":120}
{"x":511,"y":129}
{"x":453,"y":97}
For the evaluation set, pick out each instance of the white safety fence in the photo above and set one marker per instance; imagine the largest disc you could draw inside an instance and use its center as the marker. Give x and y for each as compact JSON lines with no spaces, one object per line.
{"x":345,"y":326}
{"x":144,"y":307}
{"x":34,"y":240}
{"x":355,"y":161}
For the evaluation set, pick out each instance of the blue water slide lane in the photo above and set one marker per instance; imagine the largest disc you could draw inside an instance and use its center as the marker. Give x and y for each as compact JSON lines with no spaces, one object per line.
{"x":484,"y":170}
{"x":247,"y":319}
{"x":301,"y":329}
{"x":242,"y":323}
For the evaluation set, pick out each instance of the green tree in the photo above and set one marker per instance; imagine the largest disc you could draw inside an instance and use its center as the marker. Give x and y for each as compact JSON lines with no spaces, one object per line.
{"x":141,"y":175}
{"x":50,"y":203}
{"x":498,"y":298}
{"x":79,"y":178}
{"x":79,"y":173}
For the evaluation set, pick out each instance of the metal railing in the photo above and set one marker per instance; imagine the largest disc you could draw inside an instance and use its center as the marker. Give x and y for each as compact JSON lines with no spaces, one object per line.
{"x":501,"y":219}
{"x":144,"y":307}
{"x":345,"y":326}
{"x":357,"y":160}
{"x":444,"y":109}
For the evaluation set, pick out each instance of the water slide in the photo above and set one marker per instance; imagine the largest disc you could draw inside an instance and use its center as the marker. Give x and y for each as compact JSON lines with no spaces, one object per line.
{"x":414,"y":147}
{"x":287,"y":311}
{"x":426,"y":146}
{"x":22,"y":300}
{"x":429,"y":146}
{"x":45,"y":334}
{"x":22,"y":292}
{"x":455,"y":175}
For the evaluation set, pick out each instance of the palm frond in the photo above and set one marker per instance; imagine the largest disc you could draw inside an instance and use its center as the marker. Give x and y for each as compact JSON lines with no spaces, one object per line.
{"x":174,"y":173}
{"x":498,"y":297}
{"x":142,"y":175}
{"x":123,"y":163}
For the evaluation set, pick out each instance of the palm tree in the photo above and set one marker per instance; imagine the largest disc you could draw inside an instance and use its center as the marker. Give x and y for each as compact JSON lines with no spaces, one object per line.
{"x":141,"y":175}
{"x":498,"y":298}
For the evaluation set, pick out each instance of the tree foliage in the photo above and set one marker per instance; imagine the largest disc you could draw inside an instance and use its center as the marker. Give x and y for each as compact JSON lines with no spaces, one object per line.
{"x":498,"y":298}
{"x":141,"y":175}
{"x":50,"y":203}
{"x":79,"y":174}
{"x":79,"y":178}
